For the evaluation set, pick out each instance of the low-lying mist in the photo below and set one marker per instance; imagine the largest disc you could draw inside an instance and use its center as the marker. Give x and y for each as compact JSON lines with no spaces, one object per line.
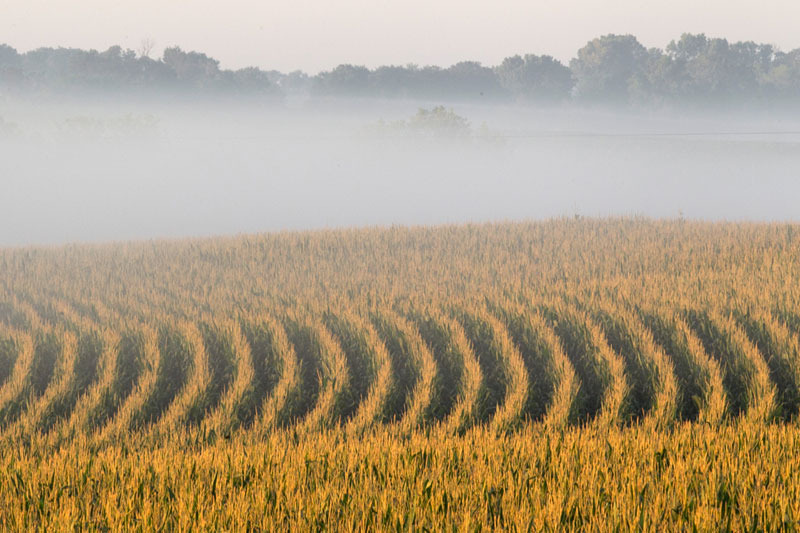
{"x":101,"y":172}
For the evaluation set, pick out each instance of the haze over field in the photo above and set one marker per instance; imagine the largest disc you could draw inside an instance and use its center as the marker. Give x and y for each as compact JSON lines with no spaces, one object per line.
{"x":150,"y":140}
{"x":170,"y":171}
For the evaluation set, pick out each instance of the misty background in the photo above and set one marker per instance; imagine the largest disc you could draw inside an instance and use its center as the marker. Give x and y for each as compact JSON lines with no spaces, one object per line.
{"x":116,"y":145}
{"x":314,"y":35}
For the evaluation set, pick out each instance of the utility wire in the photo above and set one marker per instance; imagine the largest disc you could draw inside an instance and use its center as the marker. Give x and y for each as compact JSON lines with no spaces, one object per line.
{"x":490,"y":135}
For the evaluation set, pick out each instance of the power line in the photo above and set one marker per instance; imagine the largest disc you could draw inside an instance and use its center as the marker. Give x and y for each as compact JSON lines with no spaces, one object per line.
{"x":538,"y":135}
{"x":648,"y":134}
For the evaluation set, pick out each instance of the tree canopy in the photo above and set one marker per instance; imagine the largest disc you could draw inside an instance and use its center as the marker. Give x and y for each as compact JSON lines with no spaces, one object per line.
{"x":609,"y":70}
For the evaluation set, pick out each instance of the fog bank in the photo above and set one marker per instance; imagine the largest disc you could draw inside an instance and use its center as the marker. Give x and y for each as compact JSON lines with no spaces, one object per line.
{"x":88,"y":172}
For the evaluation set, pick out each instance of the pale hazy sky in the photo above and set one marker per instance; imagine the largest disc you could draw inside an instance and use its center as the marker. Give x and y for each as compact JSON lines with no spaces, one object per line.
{"x":314,"y":35}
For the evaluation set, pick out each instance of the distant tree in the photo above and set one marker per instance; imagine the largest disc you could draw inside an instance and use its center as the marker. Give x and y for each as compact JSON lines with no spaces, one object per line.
{"x":430,"y":83}
{"x":113,"y":69}
{"x":715,"y":70}
{"x":118,"y":69}
{"x":470,"y":80}
{"x":192,"y":68}
{"x":296,"y":81}
{"x":436,"y":123}
{"x":146,"y":47}
{"x":50,"y":68}
{"x":395,"y":81}
{"x":11,"y":73}
{"x":467,"y":80}
{"x":610,"y":69}
{"x":344,"y":80}
{"x":439,"y":122}
{"x":9,"y":57}
{"x":535,"y":78}
{"x":782,"y":80}
{"x":664,"y":80}
{"x":251,"y":81}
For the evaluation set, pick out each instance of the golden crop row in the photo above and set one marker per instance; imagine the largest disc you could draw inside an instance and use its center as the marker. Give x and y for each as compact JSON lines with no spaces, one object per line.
{"x":738,"y":477}
{"x":618,"y":346}
{"x":609,"y":346}
{"x":493,"y":363}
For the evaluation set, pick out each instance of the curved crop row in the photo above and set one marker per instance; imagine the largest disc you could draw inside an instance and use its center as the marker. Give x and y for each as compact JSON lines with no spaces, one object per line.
{"x":18,"y":315}
{"x":497,"y":364}
{"x":653,"y":387}
{"x":326,"y":395}
{"x":781,"y":352}
{"x":603,"y":391}
{"x":174,"y":361}
{"x":553,"y":384}
{"x":44,"y":411}
{"x":33,"y":373}
{"x":459,"y":370}
{"x":280,"y":371}
{"x":128,"y":412}
{"x":188,"y":400}
{"x":235,"y":398}
{"x":418,"y":385}
{"x":8,"y":355}
{"x":360,"y":341}
{"x":90,"y":364}
{"x":13,"y":389}
{"x":268,"y":365}
{"x":503,"y":368}
{"x":745,"y":374}
{"x":368,"y":369}
{"x":96,"y":405}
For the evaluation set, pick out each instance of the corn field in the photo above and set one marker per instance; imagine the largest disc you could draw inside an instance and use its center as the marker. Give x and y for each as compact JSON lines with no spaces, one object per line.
{"x":574,"y":374}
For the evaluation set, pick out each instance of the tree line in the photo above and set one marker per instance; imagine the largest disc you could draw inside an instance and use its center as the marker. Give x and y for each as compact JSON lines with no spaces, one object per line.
{"x":72,"y":70}
{"x":612,"y":69}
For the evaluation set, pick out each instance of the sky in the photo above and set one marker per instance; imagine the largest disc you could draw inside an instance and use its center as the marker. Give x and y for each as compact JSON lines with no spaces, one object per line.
{"x":314,"y":35}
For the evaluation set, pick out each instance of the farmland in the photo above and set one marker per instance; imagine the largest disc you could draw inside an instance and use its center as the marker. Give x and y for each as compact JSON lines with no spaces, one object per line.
{"x":565,"y":374}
